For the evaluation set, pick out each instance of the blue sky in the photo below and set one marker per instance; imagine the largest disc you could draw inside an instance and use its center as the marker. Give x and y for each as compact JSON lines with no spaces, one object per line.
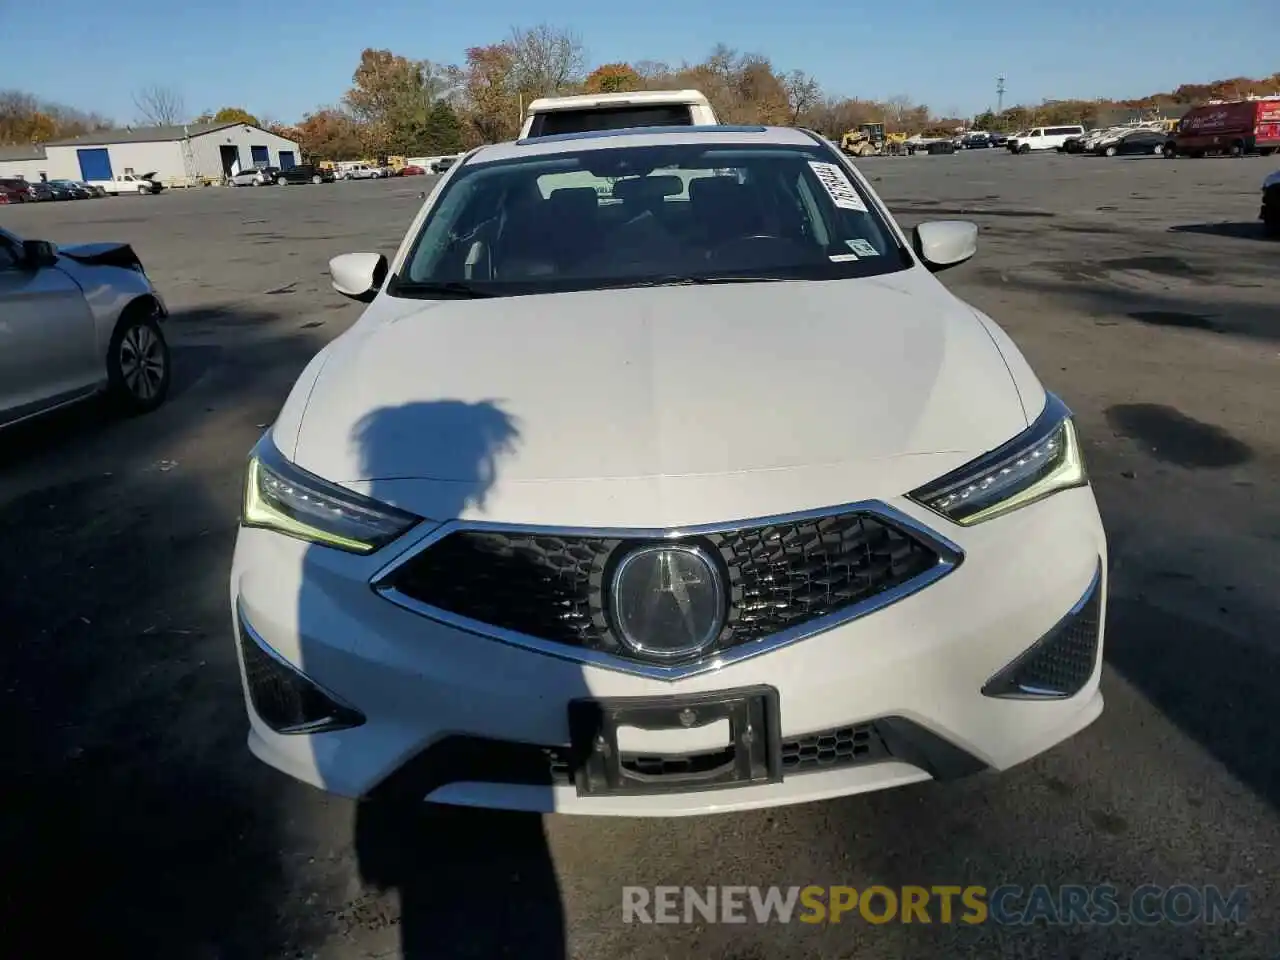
{"x":946,"y":54}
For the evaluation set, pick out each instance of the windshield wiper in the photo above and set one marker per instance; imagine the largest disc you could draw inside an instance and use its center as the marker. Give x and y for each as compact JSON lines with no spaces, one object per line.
{"x":455,"y":289}
{"x":679,"y":281}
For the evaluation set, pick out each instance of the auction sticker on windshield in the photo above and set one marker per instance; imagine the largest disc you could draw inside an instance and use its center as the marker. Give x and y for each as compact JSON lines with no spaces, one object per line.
{"x":838,"y":187}
{"x":864,"y":248}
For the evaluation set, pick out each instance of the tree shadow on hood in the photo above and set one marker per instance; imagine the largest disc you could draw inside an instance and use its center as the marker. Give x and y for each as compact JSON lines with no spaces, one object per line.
{"x":470,"y":882}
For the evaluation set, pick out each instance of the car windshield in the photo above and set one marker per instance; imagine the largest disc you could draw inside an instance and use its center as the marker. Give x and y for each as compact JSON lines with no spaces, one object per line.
{"x":627,"y":216}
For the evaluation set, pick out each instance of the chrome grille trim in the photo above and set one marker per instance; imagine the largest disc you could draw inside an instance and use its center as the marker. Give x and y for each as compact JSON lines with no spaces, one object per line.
{"x":950,"y":556}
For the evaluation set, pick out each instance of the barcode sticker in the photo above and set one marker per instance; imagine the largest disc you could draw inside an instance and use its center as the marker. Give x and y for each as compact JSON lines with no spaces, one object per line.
{"x":842,"y":257}
{"x":838,"y":187}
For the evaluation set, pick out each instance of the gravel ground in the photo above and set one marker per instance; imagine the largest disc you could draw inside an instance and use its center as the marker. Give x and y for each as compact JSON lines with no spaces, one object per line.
{"x":134,"y":817}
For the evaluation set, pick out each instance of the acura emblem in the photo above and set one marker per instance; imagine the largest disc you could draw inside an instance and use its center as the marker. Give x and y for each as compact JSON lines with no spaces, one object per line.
{"x":667,"y":601}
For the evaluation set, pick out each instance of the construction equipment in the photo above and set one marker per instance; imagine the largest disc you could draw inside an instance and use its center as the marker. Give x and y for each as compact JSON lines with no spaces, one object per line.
{"x":870,"y":140}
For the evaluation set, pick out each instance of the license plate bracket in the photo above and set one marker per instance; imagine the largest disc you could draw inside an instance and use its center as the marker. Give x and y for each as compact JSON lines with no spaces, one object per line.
{"x":753,"y":755}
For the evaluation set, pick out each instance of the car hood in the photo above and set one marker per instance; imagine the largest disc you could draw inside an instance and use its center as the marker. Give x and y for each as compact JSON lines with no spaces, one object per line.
{"x":655,"y":406}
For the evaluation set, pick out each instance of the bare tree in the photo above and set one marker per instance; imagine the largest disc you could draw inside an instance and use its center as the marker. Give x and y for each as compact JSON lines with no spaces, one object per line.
{"x":159,"y":105}
{"x":546,"y":60}
{"x":803,"y":93}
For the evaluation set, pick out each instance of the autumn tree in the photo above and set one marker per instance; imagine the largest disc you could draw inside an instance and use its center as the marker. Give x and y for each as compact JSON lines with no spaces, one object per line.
{"x":329,"y":134}
{"x":489,"y":88}
{"x":26,"y":119}
{"x":235,"y":115}
{"x":545,"y":60}
{"x":612,"y":78}
{"x":159,"y":105}
{"x":803,"y":92}
{"x":393,"y":97}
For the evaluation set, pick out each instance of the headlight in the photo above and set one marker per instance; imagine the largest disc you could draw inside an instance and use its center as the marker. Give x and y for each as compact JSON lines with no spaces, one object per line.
{"x":1033,"y":465}
{"x":280,"y":496}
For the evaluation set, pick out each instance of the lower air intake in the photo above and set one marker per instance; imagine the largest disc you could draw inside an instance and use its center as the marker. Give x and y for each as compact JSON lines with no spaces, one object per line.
{"x":284,"y":698}
{"x":1061,"y":662}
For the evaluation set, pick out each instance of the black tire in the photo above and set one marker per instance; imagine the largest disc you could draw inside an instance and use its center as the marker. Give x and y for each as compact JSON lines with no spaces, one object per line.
{"x":1237,"y":149}
{"x":1024,"y":148}
{"x":281,"y":182}
{"x":317,"y":179}
{"x":1170,"y":151}
{"x":1111,"y":151}
{"x":138,"y":364}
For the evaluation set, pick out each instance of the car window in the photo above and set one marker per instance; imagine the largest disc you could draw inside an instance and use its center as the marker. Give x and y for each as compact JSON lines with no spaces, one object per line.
{"x":1036,"y":133}
{"x":610,"y":118}
{"x":621,"y":215}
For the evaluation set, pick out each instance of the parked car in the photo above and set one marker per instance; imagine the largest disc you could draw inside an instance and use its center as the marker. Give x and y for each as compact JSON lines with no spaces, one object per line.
{"x":79,"y":321}
{"x":1270,"y":212}
{"x":976,"y":140}
{"x":83,"y":190}
{"x":304,"y":173}
{"x":768,"y":574}
{"x":1044,"y":138}
{"x":1133,"y":142}
{"x":13,"y":190}
{"x":40,"y":191}
{"x":65,"y":190}
{"x":1235,"y":128}
{"x":410,"y":170}
{"x":256,"y":177}
{"x":1074,"y":144}
{"x":124,"y":183}
{"x":443,"y":164}
{"x":998,"y":139}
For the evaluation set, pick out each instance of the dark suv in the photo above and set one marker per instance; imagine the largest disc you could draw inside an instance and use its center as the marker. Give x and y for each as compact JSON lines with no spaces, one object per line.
{"x":304,"y":173}
{"x":13,"y":191}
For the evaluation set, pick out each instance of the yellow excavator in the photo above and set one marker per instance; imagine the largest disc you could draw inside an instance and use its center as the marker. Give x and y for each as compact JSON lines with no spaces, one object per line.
{"x":870,"y":140}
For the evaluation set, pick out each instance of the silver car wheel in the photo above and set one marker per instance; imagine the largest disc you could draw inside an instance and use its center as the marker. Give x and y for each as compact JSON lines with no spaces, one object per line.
{"x":142,"y":362}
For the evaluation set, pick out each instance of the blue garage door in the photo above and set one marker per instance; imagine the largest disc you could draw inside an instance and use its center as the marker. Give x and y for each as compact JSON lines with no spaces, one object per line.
{"x":261,"y":156}
{"x":94,"y":164}
{"x":287,"y":162}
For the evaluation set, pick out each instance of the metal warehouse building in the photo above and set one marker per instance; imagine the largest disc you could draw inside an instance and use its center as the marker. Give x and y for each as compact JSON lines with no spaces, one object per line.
{"x":173,"y":154}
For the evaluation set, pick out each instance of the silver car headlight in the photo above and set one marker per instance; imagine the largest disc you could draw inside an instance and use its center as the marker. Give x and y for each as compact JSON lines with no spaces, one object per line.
{"x":283,"y":497}
{"x":1037,"y":463}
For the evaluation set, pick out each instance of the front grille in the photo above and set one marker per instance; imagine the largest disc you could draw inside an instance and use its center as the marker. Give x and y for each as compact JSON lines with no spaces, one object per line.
{"x":1061,"y":662}
{"x":553,"y":587}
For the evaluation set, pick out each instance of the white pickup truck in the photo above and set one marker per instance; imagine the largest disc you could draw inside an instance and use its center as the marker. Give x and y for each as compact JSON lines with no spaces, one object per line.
{"x":129,"y":183}
{"x":548,"y":116}
{"x":362,"y":171}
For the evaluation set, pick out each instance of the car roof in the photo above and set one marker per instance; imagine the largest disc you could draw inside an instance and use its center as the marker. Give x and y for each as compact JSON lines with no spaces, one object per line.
{"x":717,"y":135}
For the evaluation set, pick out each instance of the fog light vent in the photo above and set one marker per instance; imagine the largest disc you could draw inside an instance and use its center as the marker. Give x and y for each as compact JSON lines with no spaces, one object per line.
{"x":286,"y":700}
{"x":1061,"y":662}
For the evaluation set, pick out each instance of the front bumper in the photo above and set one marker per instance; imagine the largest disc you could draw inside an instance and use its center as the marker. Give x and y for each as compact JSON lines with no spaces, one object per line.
{"x":442,"y":708}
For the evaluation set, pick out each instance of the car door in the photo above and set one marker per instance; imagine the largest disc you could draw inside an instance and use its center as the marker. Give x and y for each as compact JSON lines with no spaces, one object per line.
{"x":48,"y":350}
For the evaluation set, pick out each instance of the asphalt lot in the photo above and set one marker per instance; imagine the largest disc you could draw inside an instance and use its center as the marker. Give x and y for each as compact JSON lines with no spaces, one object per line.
{"x":134,"y":817}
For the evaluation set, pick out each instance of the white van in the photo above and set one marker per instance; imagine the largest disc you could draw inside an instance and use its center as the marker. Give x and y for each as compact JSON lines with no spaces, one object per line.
{"x":1044,"y":138}
{"x":617,"y":111}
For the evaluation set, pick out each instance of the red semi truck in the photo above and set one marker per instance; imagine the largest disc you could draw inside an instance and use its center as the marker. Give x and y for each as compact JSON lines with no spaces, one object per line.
{"x":1236,"y":127}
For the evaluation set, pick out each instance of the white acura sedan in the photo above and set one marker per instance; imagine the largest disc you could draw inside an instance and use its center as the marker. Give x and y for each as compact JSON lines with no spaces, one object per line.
{"x":77,"y":321}
{"x":662,"y":477}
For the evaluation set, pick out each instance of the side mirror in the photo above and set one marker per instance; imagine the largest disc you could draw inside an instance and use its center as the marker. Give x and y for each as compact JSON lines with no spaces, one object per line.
{"x":358,"y":275}
{"x":945,"y":243}
{"x":39,"y":253}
